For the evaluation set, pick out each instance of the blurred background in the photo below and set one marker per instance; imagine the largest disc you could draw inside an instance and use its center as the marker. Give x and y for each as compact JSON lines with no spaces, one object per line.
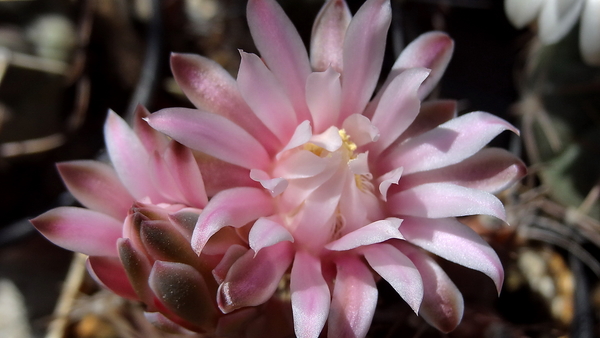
{"x":64,"y":63}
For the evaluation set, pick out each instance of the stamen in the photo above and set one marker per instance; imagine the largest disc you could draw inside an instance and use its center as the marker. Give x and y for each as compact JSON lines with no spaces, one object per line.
{"x":313,"y":148}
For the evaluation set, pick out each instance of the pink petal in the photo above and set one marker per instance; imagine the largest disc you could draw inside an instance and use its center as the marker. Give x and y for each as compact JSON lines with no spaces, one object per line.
{"x":397,"y":270}
{"x":491,"y":170}
{"x":387,"y":180}
{"x":163,"y":180}
{"x":360,"y":129}
{"x":329,"y":30}
{"x":376,"y":232}
{"x":329,"y":140}
{"x":301,"y":135}
{"x":301,"y":164}
{"x":187,"y":176}
{"x":80,"y":230}
{"x":364,"y":47}
{"x":264,"y":95}
{"x":447,"y":144}
{"x":354,"y":300}
{"x":233,"y":253}
{"x":432,"y":50}
{"x":282,"y":49}
{"x":234,"y":207}
{"x":211,"y":134}
{"x":456,"y":242}
{"x":129,"y":157}
{"x":275,"y":186}
{"x":323,"y":95}
{"x":360,"y":164}
{"x":315,"y":222}
{"x":211,"y":88}
{"x":310,"y":296}
{"x":439,"y":200}
{"x":398,"y":108}
{"x":96,"y":186}
{"x":252,"y":280}
{"x":266,"y":232}
{"x":109,"y":273}
{"x":442,"y":304}
{"x":432,"y":114}
{"x":219,"y":175}
{"x":150,"y":138}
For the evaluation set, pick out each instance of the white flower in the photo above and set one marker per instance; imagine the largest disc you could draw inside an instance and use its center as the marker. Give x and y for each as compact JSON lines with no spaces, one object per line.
{"x":557,"y":17}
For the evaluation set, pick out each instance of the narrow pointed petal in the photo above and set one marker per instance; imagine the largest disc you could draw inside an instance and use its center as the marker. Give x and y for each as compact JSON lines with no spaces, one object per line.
{"x":109,"y":272}
{"x":163,"y":180}
{"x":266,"y":232}
{"x":491,"y":170}
{"x":354,"y":300}
{"x":310,"y":296}
{"x":329,"y":140}
{"x":256,"y":83}
{"x":252,"y":280}
{"x":360,"y":129}
{"x":301,"y":135}
{"x":360,"y":164}
{"x":129,"y":157}
{"x":211,"y":134}
{"x":96,"y":186}
{"x":323,"y":96}
{"x":186,"y":174}
{"x":376,"y":232}
{"x":137,"y":268}
{"x":431,"y":50}
{"x":432,"y":114}
{"x":219,"y":175}
{"x":282,"y":49}
{"x":589,"y":38}
{"x":234,"y":207}
{"x":398,"y":270}
{"x":398,"y":108}
{"x":211,"y":88}
{"x":443,"y":303}
{"x":183,"y":291}
{"x":275,"y":186}
{"x":80,"y":230}
{"x":447,"y":144}
{"x":387,"y":180}
{"x":328,"y":32}
{"x":301,"y":164}
{"x":364,"y":47}
{"x":557,"y":18}
{"x":450,"y":239}
{"x":439,"y":200}
{"x":150,"y":138}
{"x":233,"y":253}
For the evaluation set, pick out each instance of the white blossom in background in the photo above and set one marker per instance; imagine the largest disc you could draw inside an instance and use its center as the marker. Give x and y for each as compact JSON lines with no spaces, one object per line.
{"x":557,"y":17}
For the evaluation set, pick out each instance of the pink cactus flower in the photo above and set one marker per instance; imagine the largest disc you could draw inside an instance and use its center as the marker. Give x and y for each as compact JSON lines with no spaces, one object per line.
{"x":332,"y":186}
{"x":138,"y":226}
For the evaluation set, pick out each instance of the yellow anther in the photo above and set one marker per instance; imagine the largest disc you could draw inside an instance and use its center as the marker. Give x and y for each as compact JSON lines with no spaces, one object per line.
{"x":349,"y":145}
{"x":313,"y":148}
